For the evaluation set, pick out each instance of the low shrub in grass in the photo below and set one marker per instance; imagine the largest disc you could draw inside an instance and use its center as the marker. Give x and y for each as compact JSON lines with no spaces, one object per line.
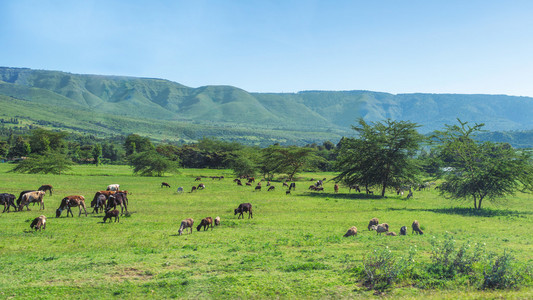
{"x":503,"y":274}
{"x":382,"y":268}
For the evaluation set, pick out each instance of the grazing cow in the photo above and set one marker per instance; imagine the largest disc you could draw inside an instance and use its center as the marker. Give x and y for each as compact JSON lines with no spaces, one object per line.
{"x":7,"y":200}
{"x":187,"y":223}
{"x":271,"y":188}
{"x":206,"y":222}
{"x":165,"y":184}
{"x":355,"y":187}
{"x":100,"y":204}
{"x":248,"y":184}
{"x":118,"y":199}
{"x":319,"y":189}
{"x":251,"y":179}
{"x":71,"y":201}
{"x":180,"y":189}
{"x":239,"y":183}
{"x":244,"y":207}
{"x":410,"y":195}
{"x":198,"y":179}
{"x":193,"y":188}
{"x":285,"y":184}
{"x":268,"y":183}
{"x":112,"y":214}
{"x":46,"y":187}
{"x":201,"y":186}
{"x":336,"y":188}
{"x":351,"y":232}
{"x":292,"y":186}
{"x":258,"y":188}
{"x":373,"y":221}
{"x":113,"y":187}
{"x":105,"y":193}
{"x":38,"y":223}
{"x":31,"y":197}
{"x":19,"y":199}
{"x":217,"y":221}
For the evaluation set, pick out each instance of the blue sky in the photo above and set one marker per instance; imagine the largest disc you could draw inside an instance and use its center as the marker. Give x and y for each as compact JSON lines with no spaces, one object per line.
{"x":281,"y":46}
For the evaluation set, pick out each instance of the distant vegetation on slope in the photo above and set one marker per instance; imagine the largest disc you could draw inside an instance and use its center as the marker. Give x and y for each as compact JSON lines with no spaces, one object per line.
{"x":167,"y":110}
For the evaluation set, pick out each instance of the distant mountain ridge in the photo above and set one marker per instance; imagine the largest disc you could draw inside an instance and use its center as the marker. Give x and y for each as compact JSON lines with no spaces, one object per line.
{"x":328,"y":112}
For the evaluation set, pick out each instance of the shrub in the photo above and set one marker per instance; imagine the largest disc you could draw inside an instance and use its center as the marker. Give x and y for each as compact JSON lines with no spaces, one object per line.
{"x":381,"y":269}
{"x":501,"y":274}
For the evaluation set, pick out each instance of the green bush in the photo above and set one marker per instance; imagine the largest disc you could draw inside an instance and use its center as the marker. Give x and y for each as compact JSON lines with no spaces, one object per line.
{"x":502,"y":274}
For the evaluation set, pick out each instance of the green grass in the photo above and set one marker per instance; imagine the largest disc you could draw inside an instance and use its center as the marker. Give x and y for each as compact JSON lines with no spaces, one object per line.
{"x":293,"y":247}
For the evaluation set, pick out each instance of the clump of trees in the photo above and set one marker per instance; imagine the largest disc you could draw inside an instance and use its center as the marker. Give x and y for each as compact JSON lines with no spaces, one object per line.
{"x":479,"y":171}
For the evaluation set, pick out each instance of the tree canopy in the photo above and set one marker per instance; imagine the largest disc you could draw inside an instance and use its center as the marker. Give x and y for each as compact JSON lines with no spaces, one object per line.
{"x":50,"y":162}
{"x":150,"y":163}
{"x":478,"y":171}
{"x":381,"y":154}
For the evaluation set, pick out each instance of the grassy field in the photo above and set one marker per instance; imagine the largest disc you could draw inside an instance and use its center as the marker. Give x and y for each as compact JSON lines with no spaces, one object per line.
{"x":293,"y":247}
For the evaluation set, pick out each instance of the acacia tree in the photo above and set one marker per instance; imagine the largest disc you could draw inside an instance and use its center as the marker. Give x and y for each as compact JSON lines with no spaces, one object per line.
{"x":150,"y":162}
{"x":479,"y":171}
{"x":50,"y":162}
{"x":381,"y":154}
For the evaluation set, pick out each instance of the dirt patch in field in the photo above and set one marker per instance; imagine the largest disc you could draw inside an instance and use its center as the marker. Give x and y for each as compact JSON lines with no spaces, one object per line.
{"x":131,"y":274}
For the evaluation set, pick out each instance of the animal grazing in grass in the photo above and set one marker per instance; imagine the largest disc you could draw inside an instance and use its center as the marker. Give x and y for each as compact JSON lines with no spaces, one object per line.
{"x":7,"y":200}
{"x":251,"y":179}
{"x":106,"y":195}
{"x":336,"y":188}
{"x":118,"y":199}
{"x":392,"y":233}
{"x":355,"y":187}
{"x":380,"y":228}
{"x":164,"y":184}
{"x":193,"y":188}
{"x":187,"y":223}
{"x":271,"y":188}
{"x":198,"y":179}
{"x":248,"y":184}
{"x":244,"y":207}
{"x":292,"y":186}
{"x":217,"y":221}
{"x":71,"y":201}
{"x":112,"y":214}
{"x":46,"y":187}
{"x":206,"y":222}
{"x":31,"y":197}
{"x":38,"y":223}
{"x":416,"y":227}
{"x":410,"y":195}
{"x":403,"y":230}
{"x":351,"y":232}
{"x":285,"y":184}
{"x":201,"y":186}
{"x":180,"y":189}
{"x":258,"y":188}
{"x":113,"y":187}
{"x":287,"y":192}
{"x":19,"y":199}
{"x":373,"y":221}
{"x":100,"y":203}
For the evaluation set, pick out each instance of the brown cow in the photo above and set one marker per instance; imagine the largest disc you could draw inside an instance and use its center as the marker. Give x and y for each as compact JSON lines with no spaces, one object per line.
{"x":38,"y":223}
{"x":206,"y":222}
{"x":71,"y":201}
{"x":244,"y":207}
{"x":46,"y":187}
{"x":187,"y":223}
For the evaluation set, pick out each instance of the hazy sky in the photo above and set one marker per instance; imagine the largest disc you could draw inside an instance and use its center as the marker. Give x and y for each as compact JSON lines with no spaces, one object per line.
{"x":395,"y":46}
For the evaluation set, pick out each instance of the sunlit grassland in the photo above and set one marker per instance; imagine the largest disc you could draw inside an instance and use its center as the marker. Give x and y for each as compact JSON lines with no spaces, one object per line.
{"x":293,"y":247}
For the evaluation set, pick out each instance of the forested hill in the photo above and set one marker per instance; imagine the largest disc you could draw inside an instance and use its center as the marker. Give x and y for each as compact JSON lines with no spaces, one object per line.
{"x":251,"y":117}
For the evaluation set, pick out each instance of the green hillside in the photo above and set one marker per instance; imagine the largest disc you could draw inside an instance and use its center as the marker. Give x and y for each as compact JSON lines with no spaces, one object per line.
{"x":107,"y":105}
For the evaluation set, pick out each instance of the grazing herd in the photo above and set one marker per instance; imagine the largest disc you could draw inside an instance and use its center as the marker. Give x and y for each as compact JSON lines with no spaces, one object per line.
{"x":373,"y":224}
{"x":108,"y":200}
